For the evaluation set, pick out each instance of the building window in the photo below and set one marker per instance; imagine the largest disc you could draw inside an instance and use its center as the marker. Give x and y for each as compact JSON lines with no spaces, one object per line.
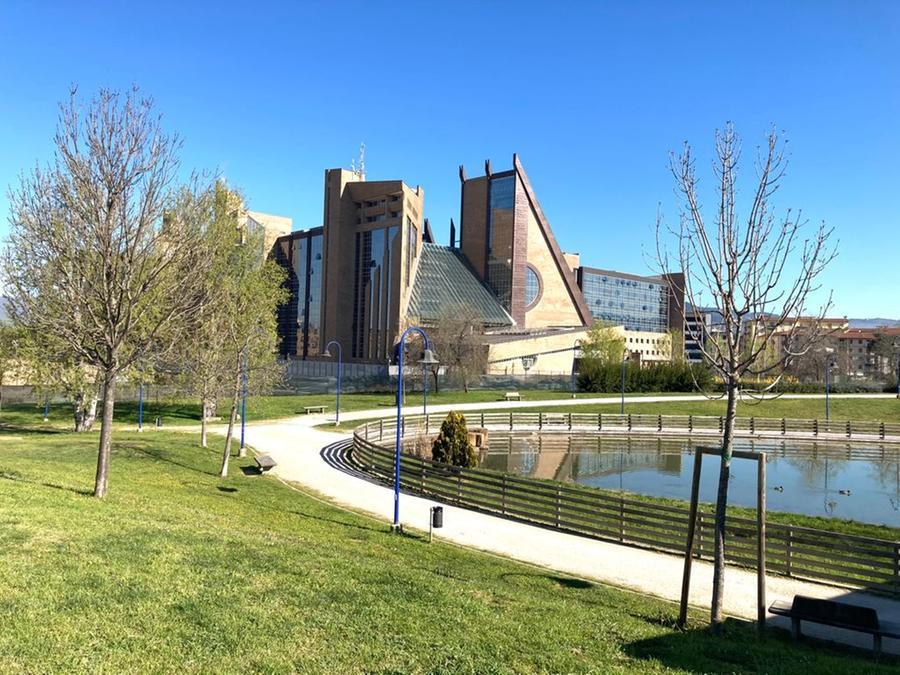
{"x":500,"y":225}
{"x":532,"y":286}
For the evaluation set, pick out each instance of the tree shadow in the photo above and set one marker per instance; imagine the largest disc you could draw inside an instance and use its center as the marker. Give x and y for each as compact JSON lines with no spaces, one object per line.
{"x":24,"y":430}
{"x":160,"y":456}
{"x":17,"y":478}
{"x":739,"y":649}
{"x":565,"y":582}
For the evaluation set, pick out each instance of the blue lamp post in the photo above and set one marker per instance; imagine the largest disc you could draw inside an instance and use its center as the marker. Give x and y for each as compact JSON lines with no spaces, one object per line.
{"x":141,"y":406}
{"x":829,"y":364}
{"x":624,"y":361}
{"x":327,"y":354}
{"x":46,"y":408}
{"x":428,"y":359}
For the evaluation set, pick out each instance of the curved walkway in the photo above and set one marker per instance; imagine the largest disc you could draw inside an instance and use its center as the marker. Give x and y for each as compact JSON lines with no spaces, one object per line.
{"x":317,"y":459}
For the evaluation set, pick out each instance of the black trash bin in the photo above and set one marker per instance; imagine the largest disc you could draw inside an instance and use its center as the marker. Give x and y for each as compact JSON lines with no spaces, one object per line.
{"x":437,"y":516}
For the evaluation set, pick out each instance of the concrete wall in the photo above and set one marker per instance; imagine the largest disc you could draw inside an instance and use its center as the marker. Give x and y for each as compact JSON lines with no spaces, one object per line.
{"x":554,"y":352}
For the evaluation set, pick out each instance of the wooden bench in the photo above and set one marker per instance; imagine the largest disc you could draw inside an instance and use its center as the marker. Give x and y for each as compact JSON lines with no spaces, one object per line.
{"x":837,"y":614}
{"x":314,"y":408}
{"x":264,"y":462}
{"x":512,"y":396}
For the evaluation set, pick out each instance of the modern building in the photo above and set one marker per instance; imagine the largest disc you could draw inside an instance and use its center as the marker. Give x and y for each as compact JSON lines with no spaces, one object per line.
{"x":372,"y":269}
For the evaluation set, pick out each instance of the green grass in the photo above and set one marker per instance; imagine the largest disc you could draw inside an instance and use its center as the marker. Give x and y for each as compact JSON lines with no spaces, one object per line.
{"x":880,"y":410}
{"x":180,"y":571}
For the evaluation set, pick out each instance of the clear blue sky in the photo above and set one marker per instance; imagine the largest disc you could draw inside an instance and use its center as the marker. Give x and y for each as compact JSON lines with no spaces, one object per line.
{"x":592,"y":96}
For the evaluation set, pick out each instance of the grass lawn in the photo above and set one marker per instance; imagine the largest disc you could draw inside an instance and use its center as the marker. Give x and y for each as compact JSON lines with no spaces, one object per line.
{"x":187,"y":412}
{"x":882,"y":409}
{"x":178,"y":570}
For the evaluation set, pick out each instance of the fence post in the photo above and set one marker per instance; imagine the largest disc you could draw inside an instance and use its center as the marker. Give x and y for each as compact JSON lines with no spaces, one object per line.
{"x":815,"y":427}
{"x":510,"y":421}
{"x":699,"y":534}
{"x":482,"y":420}
{"x":503,"y":496}
{"x":659,"y":423}
{"x":629,"y":421}
{"x":427,"y":425}
{"x":570,"y":421}
{"x":621,"y":518}
{"x":849,"y":430}
{"x":752,"y":426}
{"x":540,"y":420}
{"x":783,"y":426}
{"x":881,"y":430}
{"x":599,"y":421}
{"x":691,"y":424}
{"x":788,"y":546}
{"x":558,"y":497}
{"x":721,"y":425}
{"x":381,"y":429}
{"x":896,"y":569}
{"x":459,"y":488}
{"x":367,"y":431}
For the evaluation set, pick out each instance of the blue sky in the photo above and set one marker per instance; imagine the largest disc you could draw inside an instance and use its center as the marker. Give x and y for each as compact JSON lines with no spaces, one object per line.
{"x":592,"y":96}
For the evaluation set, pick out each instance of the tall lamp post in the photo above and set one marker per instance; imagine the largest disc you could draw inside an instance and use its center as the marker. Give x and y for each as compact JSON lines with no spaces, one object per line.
{"x":576,"y":348}
{"x":829,"y":364}
{"x":624,"y":361}
{"x":327,"y":354}
{"x":140,"y":406}
{"x":428,"y":359}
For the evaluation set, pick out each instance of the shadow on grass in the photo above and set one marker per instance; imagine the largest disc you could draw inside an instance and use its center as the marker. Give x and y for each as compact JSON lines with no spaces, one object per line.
{"x":19,"y":429}
{"x":565,"y":582}
{"x":698,"y":650}
{"x":161,"y":457}
{"x":17,"y":478}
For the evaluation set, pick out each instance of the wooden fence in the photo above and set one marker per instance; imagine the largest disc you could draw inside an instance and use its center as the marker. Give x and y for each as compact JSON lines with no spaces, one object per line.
{"x":800,"y":552}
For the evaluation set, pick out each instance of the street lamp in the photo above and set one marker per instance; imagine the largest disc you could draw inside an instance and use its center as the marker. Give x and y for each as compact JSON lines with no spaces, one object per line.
{"x":624,"y":361}
{"x":327,"y":354}
{"x":428,"y":359}
{"x":829,"y":364}
{"x":140,"y":406}
{"x":576,"y":348}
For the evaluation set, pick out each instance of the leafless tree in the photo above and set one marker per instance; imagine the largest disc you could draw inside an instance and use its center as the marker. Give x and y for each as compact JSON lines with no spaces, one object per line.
{"x":757,"y":270}
{"x":91,"y":259}
{"x":456,"y":339}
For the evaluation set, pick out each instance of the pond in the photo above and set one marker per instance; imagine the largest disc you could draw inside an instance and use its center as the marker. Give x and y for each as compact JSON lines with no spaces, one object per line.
{"x":849,"y":481}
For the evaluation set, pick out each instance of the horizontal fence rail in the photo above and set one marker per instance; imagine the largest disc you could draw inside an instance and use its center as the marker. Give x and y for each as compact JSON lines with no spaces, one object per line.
{"x":793,"y":551}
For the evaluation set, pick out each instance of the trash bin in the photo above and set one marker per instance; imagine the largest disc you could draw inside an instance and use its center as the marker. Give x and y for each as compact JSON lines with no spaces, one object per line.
{"x":437,"y":516}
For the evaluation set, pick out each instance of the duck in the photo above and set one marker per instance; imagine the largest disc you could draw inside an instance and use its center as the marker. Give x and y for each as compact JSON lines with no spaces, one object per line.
{"x":778,"y":488}
{"x":846,"y":493}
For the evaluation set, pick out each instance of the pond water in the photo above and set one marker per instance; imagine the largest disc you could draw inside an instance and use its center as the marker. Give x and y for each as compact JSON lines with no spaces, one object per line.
{"x":848,"y":481}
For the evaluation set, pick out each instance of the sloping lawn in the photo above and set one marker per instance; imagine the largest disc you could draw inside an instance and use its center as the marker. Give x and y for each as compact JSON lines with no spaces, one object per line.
{"x":179,"y":571}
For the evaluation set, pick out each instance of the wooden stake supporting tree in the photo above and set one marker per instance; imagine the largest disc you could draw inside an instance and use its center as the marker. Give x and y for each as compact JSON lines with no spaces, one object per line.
{"x":760,"y":459}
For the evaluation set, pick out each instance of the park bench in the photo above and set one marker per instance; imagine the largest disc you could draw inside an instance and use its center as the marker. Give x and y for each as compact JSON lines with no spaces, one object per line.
{"x":837,"y":614}
{"x":264,"y":462}
{"x":512,"y":396}
{"x":314,"y":408}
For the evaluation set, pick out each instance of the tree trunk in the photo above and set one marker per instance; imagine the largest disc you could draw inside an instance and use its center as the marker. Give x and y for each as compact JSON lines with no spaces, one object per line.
{"x":85,"y":411}
{"x":109,"y":402}
{"x":226,"y":453}
{"x":721,"y":506}
{"x":204,"y":415}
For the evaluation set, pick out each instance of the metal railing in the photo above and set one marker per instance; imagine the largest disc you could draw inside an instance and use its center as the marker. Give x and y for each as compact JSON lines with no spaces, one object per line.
{"x":793,"y":551}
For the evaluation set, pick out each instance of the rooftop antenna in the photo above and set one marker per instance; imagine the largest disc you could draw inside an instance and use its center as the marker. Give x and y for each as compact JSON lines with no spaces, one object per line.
{"x":359,"y":167}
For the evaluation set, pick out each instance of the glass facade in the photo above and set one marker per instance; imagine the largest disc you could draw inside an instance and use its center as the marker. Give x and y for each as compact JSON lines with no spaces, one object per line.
{"x":500,"y":228}
{"x":532,"y":286}
{"x":300,"y":319}
{"x":373,"y":292}
{"x":637,"y":304}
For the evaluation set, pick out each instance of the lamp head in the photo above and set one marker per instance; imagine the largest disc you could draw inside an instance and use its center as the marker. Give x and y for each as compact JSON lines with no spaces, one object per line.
{"x":327,"y":353}
{"x":429,"y":359}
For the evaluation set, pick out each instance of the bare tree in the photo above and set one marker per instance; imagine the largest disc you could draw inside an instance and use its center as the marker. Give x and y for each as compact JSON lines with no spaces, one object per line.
{"x":91,"y":260}
{"x":756,"y":270}
{"x":456,"y":339}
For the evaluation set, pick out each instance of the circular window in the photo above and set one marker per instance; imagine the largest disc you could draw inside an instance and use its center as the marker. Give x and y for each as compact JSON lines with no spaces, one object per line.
{"x":532,"y":286}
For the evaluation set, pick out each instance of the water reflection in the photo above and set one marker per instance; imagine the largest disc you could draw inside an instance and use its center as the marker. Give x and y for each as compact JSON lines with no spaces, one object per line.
{"x":851,"y":481}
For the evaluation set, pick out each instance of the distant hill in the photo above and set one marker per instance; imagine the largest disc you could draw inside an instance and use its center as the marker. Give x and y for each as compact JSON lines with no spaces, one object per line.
{"x":874,"y":323}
